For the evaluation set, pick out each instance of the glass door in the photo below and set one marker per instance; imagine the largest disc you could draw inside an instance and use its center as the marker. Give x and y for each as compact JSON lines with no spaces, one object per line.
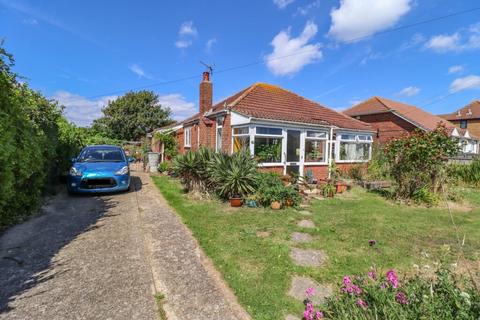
{"x":294,"y":163}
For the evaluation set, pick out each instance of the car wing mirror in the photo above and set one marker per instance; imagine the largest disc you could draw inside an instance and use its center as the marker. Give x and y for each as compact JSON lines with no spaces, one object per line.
{"x":73,"y":160}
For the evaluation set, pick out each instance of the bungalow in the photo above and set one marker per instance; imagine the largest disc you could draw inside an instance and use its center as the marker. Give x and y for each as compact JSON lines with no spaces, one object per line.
{"x":467,"y":117}
{"x":285,"y":132}
{"x":392,"y":119}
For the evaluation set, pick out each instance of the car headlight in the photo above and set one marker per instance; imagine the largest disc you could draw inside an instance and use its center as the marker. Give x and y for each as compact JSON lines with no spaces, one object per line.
{"x":122,"y":171}
{"x":74,"y":172}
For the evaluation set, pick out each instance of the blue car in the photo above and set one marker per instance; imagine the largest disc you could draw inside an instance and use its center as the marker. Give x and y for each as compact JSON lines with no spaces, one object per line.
{"x":100,"y":168}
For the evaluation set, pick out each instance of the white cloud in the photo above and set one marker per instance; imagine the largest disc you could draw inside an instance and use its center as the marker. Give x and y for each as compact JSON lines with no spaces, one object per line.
{"x":444,"y":42}
{"x":455,"y":69}
{"x":209,"y":44}
{"x":356,"y":19}
{"x":290,"y":54}
{"x":465,"y":83}
{"x":135,"y":68}
{"x":30,"y":21}
{"x":179,"y":106}
{"x":186,"y":34}
{"x":187,"y":29}
{"x":182,"y":44}
{"x":304,"y":10}
{"x":462,"y":40}
{"x":282,"y":4}
{"x":409,"y":91}
{"x":80,"y":110}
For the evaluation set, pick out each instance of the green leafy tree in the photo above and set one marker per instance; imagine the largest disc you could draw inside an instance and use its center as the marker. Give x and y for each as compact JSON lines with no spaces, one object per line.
{"x":132,"y":116}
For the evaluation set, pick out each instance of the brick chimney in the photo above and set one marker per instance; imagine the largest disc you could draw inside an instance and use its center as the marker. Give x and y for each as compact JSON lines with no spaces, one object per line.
{"x":206,"y":89}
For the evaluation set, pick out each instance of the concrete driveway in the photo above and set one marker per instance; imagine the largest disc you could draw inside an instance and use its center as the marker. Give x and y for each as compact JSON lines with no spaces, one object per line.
{"x":106,"y":257}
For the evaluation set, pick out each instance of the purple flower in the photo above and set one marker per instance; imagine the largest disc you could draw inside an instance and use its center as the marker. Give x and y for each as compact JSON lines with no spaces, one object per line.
{"x":319,"y":315}
{"x":310,"y":292}
{"x":401,"y":298}
{"x":372,"y":242}
{"x":372,"y":275}
{"x":347,"y":281}
{"x":362,"y":304}
{"x":392,"y":278}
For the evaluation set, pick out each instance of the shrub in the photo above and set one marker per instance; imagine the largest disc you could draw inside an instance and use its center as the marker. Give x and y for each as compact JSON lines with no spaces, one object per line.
{"x":419,"y":160}
{"x":271,"y":188}
{"x":374,"y":296}
{"x":233,"y":175}
{"x":192,"y":169}
{"x":164,"y":166}
{"x":467,"y":173}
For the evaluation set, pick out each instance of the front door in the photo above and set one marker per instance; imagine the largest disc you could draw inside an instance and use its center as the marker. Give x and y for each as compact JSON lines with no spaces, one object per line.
{"x":294,"y":160}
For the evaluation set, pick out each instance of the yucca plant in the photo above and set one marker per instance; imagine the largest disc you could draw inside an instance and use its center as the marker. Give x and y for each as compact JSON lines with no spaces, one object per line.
{"x":186,"y":167}
{"x":233,"y":176}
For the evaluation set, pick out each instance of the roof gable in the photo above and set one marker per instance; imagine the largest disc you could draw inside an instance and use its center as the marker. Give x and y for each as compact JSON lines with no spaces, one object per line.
{"x":470,"y":111}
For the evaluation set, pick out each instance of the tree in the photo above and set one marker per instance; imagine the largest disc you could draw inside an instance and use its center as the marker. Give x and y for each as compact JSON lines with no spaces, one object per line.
{"x":132,"y":116}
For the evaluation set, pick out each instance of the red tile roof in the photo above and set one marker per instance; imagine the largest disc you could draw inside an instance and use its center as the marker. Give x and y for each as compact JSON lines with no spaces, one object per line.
{"x":265,"y":101}
{"x":470,"y":111}
{"x":416,"y":116}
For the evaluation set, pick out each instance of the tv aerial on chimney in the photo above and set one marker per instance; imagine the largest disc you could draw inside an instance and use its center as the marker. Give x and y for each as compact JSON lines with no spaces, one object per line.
{"x":208,"y":66}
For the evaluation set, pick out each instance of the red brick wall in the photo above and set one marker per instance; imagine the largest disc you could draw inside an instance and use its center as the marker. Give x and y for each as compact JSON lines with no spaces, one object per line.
{"x":388,"y":125}
{"x":318,"y":172}
{"x":278,"y":170}
{"x":227,"y":135}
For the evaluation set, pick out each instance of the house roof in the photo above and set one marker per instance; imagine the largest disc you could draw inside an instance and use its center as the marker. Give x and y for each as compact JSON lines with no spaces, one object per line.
{"x":418,"y":117}
{"x":470,"y":111}
{"x":270,"y":102}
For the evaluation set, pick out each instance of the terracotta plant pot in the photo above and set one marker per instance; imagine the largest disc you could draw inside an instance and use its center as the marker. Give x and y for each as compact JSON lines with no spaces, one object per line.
{"x":275,"y":205}
{"x":341,"y":187}
{"x":289,"y":203}
{"x":235,"y":202}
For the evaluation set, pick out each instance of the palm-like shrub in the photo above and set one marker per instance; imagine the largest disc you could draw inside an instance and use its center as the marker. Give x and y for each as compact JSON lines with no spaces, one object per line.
{"x":233,"y":176}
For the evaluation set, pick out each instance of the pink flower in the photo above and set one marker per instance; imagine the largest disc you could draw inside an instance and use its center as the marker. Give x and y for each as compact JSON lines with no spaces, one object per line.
{"x":310,"y":292}
{"x":347,"y":281}
{"x":392,"y":278}
{"x":319,"y":315}
{"x":362,"y":304}
{"x":372,"y":275}
{"x":401,"y":298}
{"x":372,"y":242}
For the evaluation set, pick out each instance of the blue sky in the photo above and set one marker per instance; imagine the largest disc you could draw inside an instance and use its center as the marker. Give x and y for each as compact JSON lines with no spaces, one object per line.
{"x":86,"y":52}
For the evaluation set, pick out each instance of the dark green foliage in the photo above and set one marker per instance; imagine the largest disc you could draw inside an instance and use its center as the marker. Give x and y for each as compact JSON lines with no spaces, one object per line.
{"x":271,"y":188}
{"x":169,"y":142}
{"x":35,"y":144}
{"x":467,"y":173}
{"x":132,"y":116}
{"x":192,"y":169}
{"x":446,"y":297}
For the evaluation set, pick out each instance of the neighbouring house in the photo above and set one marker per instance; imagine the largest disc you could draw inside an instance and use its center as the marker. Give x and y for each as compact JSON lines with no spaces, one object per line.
{"x":467,"y":118}
{"x":392,"y":119}
{"x":285,"y":132}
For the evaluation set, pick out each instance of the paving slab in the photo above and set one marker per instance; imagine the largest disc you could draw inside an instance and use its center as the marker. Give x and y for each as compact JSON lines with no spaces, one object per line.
{"x":306,"y":213}
{"x":300,"y":284}
{"x":307,"y":257}
{"x":306,"y":224}
{"x":299,"y":237}
{"x":291,"y":317}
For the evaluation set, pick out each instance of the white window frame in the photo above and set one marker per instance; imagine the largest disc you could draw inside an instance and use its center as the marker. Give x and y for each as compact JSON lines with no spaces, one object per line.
{"x":355,"y":139}
{"x":248,"y":134}
{"x":282,"y":135}
{"x":187,"y":137}
{"x":326,"y":148}
{"x":219,"y":125}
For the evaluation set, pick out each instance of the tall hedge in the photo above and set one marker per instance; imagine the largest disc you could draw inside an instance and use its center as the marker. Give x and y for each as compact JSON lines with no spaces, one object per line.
{"x":34,"y":144}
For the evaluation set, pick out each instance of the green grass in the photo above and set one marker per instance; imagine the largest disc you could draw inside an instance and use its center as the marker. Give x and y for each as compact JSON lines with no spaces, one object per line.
{"x":259,"y":269}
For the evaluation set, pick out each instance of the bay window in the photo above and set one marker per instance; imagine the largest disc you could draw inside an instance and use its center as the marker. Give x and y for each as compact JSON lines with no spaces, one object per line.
{"x":241,"y":139}
{"x":354,"y":147}
{"x":218,"y":144}
{"x":315,"y":146}
{"x":268,"y":145}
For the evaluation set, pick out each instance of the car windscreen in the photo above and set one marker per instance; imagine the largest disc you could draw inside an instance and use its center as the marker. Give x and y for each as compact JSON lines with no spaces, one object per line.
{"x":101,"y":155}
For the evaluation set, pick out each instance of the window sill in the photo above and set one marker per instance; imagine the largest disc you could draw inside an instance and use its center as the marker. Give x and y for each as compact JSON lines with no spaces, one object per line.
{"x":270,"y":164}
{"x":315,"y":163}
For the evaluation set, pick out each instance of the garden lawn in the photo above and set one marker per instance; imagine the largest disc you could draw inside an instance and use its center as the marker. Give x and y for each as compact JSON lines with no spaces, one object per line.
{"x":250,"y":247}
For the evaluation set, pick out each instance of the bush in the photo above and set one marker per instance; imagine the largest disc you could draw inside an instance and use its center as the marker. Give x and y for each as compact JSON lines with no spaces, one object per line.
{"x":271,"y":188}
{"x":445,"y":297}
{"x":233,"y":176}
{"x":34,"y":145}
{"x":164,"y":166}
{"x":192,"y":169}
{"x":419,"y":160}
{"x":467,"y":173}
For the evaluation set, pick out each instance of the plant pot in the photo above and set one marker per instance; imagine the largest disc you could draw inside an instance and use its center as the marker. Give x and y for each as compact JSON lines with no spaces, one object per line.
{"x":251,"y":203}
{"x":235,"y":202}
{"x":275,"y":205}
{"x":341,"y":187}
{"x":289,"y":203}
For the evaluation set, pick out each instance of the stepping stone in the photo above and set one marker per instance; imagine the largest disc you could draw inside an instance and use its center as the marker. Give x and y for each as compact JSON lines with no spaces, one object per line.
{"x":301,"y":237}
{"x":291,"y":317}
{"x":300,"y":284}
{"x":306,"y":224}
{"x":263,"y":234}
{"x":308,"y":257}
{"x":306,"y":213}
